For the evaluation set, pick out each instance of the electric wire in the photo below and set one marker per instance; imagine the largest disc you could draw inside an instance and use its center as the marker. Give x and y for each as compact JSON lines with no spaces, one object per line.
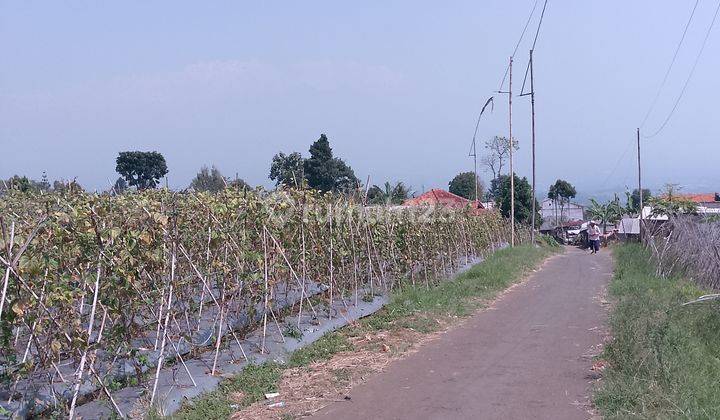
{"x":687,"y":81}
{"x":522,"y":35}
{"x":672,"y":62}
{"x":537,"y":32}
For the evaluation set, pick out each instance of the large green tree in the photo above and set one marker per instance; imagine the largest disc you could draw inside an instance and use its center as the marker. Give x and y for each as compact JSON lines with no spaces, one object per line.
{"x":464,"y":185}
{"x":287,"y":170}
{"x":142,"y":170}
{"x":523,"y":198}
{"x":325,"y":172}
{"x":561,"y":192}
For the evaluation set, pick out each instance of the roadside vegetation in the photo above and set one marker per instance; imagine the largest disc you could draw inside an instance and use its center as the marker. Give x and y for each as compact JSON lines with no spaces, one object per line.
{"x":420,"y":309}
{"x":664,"y":359}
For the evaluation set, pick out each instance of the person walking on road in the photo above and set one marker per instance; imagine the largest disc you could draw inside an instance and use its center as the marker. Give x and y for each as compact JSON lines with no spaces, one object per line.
{"x":594,"y":237}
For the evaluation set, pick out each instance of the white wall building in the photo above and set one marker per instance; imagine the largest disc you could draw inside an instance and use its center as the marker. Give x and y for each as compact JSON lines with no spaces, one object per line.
{"x":570,"y":211}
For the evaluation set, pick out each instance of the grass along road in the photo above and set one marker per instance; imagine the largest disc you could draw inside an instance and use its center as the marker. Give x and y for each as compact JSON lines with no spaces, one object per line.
{"x":664,"y":359}
{"x":325,"y":370}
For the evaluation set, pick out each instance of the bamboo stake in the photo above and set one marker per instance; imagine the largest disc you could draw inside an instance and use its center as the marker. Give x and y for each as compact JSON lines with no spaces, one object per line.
{"x":265,"y":277}
{"x":81,"y":369}
{"x":6,"y":280}
{"x":167,"y":319}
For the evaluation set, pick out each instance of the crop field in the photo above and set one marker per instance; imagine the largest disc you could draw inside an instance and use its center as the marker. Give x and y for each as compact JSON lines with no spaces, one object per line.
{"x":101,"y":290}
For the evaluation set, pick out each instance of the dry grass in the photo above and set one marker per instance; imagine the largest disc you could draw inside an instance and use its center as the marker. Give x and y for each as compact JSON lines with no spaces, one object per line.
{"x":307,"y":389}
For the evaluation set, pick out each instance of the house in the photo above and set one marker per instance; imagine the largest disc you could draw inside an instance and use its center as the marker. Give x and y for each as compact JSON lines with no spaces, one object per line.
{"x":707,"y":203}
{"x":550,"y":210}
{"x":442,"y":198}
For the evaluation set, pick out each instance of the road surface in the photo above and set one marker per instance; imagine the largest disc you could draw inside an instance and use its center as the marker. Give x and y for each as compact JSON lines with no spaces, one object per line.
{"x":528,"y":357}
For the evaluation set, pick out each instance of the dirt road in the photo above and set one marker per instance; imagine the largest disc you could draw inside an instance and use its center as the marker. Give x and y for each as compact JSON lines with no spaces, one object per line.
{"x":529,"y":356}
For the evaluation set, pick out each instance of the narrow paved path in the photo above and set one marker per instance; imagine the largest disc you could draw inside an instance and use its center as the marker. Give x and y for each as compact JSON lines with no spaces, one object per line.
{"x":527,"y":357}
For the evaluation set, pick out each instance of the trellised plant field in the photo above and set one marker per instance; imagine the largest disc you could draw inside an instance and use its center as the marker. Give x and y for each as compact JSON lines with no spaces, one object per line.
{"x":93,"y":282}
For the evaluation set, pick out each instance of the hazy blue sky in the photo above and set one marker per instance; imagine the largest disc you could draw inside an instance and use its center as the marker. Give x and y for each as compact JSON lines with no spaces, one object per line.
{"x":396,"y":85}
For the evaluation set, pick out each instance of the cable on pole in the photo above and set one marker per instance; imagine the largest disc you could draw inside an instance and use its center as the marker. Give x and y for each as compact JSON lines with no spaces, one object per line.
{"x":537,"y":32}
{"x":522,"y":35}
{"x":687,"y":81}
{"x":672,"y":62}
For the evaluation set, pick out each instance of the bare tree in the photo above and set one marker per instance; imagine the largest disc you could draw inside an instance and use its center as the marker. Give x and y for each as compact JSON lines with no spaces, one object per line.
{"x":498,"y":152}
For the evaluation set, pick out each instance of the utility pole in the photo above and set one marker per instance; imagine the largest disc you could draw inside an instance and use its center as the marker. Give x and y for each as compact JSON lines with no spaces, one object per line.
{"x":532,"y":107}
{"x":512,"y":174}
{"x":474,"y":154}
{"x":640,"y":191}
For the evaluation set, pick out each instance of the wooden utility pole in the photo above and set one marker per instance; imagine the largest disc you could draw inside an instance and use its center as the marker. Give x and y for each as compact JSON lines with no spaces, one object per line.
{"x":512,"y":174}
{"x":640,"y":191}
{"x":477,"y":199}
{"x":532,"y":107}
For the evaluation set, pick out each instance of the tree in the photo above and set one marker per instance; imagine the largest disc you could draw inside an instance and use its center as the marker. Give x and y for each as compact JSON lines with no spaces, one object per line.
{"x":634,"y":204}
{"x":44,"y":184}
{"x":390,"y":194}
{"x":287,"y":170}
{"x":498,"y":151}
{"x":345,"y":179}
{"x":67,"y":186}
{"x":19,"y":183}
{"x":326,"y":173}
{"x":141,"y":169}
{"x":670,"y":203}
{"x":120,"y":186}
{"x":609,"y":212}
{"x":208,"y":180}
{"x":464,"y":185}
{"x":523,"y":198}
{"x":561,"y":191}
{"x":240,"y":184}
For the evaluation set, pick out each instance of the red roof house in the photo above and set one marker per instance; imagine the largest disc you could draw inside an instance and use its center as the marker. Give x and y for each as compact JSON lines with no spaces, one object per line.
{"x":437,"y":197}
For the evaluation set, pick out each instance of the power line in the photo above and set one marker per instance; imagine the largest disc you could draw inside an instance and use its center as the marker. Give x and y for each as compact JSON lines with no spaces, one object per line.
{"x":537,"y":32}
{"x":687,"y":81}
{"x":532,"y":12}
{"x":617,"y":164}
{"x":672,"y":62}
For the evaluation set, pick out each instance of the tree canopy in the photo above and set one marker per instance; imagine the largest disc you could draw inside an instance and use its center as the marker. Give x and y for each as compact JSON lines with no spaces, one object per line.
{"x":464,"y":185}
{"x":326,"y":173}
{"x":562,"y":191}
{"x":389,"y":194}
{"x":287,"y":170}
{"x":523,"y":198}
{"x":634,"y":199}
{"x":609,"y":212}
{"x":208,"y":180}
{"x":141,"y":169}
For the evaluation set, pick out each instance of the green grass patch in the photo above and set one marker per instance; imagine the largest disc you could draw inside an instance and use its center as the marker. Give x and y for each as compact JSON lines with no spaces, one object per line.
{"x":322,"y":349}
{"x":415,"y":307}
{"x":664,"y":358}
{"x":252,"y":383}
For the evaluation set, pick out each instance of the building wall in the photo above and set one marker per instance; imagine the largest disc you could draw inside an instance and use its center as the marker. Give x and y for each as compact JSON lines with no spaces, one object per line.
{"x":571,"y":211}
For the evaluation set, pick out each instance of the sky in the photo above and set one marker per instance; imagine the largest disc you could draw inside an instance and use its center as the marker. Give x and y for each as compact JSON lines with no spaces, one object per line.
{"x":395,"y":85}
